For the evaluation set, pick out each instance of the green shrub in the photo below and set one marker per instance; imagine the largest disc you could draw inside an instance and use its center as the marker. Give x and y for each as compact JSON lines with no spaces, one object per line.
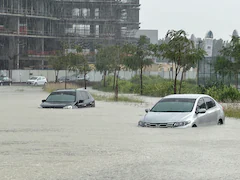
{"x":230,"y":94}
{"x":159,"y":87}
{"x":191,"y":81}
{"x":189,"y":88}
{"x":125,"y":86}
{"x":224,"y":94}
{"x":158,"y":90}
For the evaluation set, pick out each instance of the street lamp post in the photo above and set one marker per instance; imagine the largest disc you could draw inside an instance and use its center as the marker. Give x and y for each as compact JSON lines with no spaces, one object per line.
{"x":198,"y":64}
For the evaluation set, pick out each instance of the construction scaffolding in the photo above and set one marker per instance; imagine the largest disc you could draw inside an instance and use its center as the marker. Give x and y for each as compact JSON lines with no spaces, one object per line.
{"x":31,"y":30}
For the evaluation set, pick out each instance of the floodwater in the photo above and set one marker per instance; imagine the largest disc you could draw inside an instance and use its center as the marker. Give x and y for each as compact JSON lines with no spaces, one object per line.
{"x":104,"y":143}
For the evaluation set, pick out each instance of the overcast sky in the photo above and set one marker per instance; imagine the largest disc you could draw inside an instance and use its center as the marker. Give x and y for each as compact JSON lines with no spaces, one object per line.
{"x":194,"y":16}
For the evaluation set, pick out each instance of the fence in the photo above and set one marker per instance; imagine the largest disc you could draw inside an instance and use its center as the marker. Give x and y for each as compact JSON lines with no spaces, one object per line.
{"x":24,"y":75}
{"x":208,"y":75}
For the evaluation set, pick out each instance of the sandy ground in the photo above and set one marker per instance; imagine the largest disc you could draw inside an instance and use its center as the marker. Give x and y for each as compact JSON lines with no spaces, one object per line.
{"x":104,"y":143}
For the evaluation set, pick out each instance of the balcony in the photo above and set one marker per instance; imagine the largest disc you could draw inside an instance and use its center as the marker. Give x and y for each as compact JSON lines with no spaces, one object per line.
{"x":27,"y":33}
{"x":26,"y":12}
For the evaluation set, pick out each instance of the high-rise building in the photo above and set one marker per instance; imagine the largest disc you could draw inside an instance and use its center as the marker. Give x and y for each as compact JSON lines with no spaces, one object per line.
{"x":208,"y":44}
{"x":235,"y":33}
{"x":32,"y":30}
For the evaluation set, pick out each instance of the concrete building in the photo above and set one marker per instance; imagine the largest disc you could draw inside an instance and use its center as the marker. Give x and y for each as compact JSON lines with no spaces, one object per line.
{"x":31,"y":30}
{"x":208,"y":44}
{"x":235,"y":33}
{"x":151,"y":34}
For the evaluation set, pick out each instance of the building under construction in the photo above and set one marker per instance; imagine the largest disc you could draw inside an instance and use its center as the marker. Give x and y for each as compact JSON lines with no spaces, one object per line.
{"x":32,"y":30}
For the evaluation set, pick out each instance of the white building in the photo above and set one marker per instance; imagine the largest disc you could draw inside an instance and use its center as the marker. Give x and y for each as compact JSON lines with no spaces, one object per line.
{"x":208,"y":44}
{"x":235,"y":33}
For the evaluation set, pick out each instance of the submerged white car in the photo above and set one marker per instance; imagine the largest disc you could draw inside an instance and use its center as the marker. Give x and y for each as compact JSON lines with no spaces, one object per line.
{"x":184,"y":110}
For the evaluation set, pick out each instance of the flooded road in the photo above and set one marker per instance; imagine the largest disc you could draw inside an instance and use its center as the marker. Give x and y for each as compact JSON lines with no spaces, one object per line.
{"x":104,"y":143}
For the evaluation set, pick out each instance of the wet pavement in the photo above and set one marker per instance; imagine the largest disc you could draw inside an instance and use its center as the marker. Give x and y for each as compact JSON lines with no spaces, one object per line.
{"x":104,"y":143}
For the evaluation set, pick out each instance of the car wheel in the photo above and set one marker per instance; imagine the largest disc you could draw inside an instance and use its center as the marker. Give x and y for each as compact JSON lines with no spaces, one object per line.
{"x":220,"y":122}
{"x":35,"y":84}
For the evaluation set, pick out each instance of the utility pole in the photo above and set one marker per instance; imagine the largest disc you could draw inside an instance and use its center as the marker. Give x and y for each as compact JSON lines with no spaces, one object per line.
{"x":198,"y":64}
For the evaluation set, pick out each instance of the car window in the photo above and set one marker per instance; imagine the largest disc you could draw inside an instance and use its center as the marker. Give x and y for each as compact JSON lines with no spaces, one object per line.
{"x":85,"y":95}
{"x":174,"y":105}
{"x":80,"y":95}
{"x":201,"y":104}
{"x":209,"y":102}
{"x":65,"y":96}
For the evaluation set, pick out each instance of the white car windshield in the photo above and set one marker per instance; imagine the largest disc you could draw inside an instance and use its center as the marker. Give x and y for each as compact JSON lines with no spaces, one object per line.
{"x":174,"y":105}
{"x":67,"y":96}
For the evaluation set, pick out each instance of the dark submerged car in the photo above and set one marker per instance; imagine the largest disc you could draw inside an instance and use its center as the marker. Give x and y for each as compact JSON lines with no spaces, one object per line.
{"x":69,"y":99}
{"x":4,"y":80}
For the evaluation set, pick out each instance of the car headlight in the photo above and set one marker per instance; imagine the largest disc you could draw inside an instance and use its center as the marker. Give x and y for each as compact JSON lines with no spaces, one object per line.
{"x":68,"y":107}
{"x":141,"y":123}
{"x":183,"y":123}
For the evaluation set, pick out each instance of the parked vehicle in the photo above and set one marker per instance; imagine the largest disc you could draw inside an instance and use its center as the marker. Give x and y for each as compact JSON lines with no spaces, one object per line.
{"x":81,"y":77}
{"x":73,"y":78}
{"x":184,"y":110}
{"x":69,"y":99}
{"x":67,"y":79}
{"x":5,"y":80}
{"x":37,"y":80}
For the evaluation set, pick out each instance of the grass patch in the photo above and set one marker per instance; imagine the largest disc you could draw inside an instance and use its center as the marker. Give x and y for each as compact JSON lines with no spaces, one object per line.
{"x":233,"y":112}
{"x":50,"y":87}
{"x":111,"y":98}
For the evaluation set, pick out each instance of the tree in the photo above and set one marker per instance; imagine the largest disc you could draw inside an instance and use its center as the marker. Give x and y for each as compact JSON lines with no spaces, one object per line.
{"x":78,"y":62}
{"x":192,"y":56}
{"x":117,"y":55}
{"x":223,"y":67}
{"x":137,"y":57}
{"x":232,"y":52}
{"x":110,"y":59}
{"x":57,"y":63}
{"x":179,"y":50}
{"x":104,"y":61}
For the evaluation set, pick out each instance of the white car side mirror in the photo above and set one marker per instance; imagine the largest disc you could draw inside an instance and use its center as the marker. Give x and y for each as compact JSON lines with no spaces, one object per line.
{"x":201,"y":111}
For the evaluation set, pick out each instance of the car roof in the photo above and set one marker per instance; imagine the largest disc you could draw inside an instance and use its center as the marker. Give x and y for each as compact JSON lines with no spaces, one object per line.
{"x":64,"y":90}
{"x":72,"y":90}
{"x":194,"y":96}
{"x":38,"y":76}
